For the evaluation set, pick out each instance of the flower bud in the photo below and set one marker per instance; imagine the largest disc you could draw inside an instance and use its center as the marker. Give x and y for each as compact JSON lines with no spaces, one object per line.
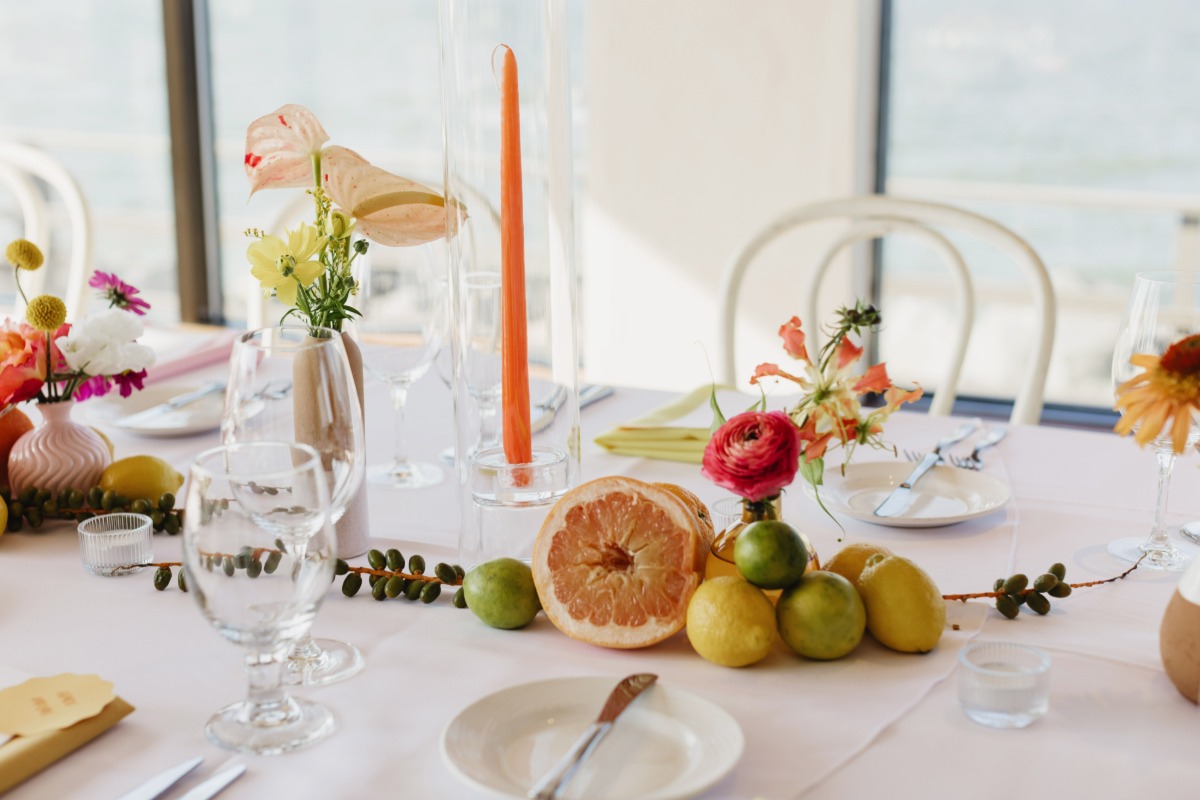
{"x":341,"y":225}
{"x":46,"y":313}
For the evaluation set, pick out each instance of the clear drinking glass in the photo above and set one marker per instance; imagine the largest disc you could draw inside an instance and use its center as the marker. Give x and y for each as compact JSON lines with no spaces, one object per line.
{"x":1163,"y":308}
{"x":259,"y":553}
{"x":1003,"y":685}
{"x":292,"y":383}
{"x":402,"y":330}
{"x":115,"y":544}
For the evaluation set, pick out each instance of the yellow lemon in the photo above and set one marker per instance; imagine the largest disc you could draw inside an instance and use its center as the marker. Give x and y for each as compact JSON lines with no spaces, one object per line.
{"x":141,"y":477}
{"x":3,"y":517}
{"x":730,"y":622}
{"x":905,"y":609}
{"x":850,"y":560}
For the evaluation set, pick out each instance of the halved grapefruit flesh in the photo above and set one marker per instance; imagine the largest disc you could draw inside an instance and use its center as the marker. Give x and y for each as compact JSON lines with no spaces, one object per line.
{"x":615,"y":563}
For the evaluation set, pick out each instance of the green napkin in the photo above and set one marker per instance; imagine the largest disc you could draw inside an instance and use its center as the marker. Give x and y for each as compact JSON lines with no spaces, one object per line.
{"x":650,"y":436}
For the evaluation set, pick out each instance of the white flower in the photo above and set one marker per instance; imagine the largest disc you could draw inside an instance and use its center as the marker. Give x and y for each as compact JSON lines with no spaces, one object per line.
{"x":103,"y":344}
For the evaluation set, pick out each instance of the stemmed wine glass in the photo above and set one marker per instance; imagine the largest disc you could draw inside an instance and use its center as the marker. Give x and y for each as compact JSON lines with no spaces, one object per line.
{"x":1163,"y":308}
{"x":259,"y":553}
{"x":402,"y":330}
{"x":293,"y":383}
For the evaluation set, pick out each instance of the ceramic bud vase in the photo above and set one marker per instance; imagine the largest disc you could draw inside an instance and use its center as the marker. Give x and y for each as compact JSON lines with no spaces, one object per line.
{"x":58,"y":454}
{"x":353,"y":529}
{"x":720,"y":557}
{"x":1179,"y":636}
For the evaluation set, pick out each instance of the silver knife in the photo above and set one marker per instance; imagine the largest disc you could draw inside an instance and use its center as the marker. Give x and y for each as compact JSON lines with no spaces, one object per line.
{"x":549,"y":407}
{"x":213,"y":786}
{"x":897,"y":501}
{"x":627,"y":690}
{"x":158,"y":785}
{"x":144,"y":416}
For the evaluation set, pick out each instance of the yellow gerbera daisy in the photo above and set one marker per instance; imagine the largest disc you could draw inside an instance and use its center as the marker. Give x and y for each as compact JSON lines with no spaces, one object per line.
{"x":286,"y":266}
{"x":1167,"y":391}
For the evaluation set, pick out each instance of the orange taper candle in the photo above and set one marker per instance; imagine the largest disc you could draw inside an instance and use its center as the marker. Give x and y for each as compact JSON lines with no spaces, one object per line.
{"x":514,"y":402}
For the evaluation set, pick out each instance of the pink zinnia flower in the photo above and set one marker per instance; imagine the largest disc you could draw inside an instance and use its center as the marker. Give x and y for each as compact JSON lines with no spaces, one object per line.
{"x":118,"y":293}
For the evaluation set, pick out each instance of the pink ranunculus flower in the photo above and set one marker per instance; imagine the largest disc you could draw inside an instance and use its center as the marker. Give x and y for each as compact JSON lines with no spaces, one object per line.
{"x":754,"y":454}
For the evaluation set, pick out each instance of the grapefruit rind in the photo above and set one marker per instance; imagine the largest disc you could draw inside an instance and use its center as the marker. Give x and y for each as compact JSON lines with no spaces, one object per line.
{"x":615,"y":563}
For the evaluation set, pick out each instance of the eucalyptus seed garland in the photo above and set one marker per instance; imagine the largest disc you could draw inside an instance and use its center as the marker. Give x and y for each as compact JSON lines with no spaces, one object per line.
{"x":386,"y":573}
{"x":1014,"y":591}
{"x":34,"y":507}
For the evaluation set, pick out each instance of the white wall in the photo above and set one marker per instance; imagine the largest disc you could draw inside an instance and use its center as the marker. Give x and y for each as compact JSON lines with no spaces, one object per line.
{"x":705,"y":119}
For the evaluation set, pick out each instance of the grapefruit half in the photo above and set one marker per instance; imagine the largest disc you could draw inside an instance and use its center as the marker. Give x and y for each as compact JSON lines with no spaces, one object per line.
{"x":615,"y":563}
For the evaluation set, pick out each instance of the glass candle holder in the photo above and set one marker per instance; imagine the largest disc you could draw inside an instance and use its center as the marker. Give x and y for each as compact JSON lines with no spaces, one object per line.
{"x":511,"y":257}
{"x":1003,"y":685}
{"x":115,"y":544}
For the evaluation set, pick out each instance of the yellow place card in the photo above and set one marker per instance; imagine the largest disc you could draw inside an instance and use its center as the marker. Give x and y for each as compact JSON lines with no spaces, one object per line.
{"x":40,"y":705}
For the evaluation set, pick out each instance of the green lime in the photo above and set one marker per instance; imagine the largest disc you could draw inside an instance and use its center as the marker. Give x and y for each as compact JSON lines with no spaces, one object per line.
{"x":822,"y":616}
{"x":502,"y":594}
{"x":770,"y":554}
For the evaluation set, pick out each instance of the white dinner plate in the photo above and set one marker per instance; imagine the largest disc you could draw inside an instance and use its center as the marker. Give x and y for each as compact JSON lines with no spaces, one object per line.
{"x":668,"y":744}
{"x":202,"y":416}
{"x":944,"y":496}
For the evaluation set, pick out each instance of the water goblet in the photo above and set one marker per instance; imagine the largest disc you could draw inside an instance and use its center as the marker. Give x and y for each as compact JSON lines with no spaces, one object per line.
{"x":1163,"y":308}
{"x":319,"y":408}
{"x":259,"y":553}
{"x":402,"y":328}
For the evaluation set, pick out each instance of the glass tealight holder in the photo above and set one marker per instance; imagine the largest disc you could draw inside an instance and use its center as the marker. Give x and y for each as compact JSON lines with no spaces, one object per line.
{"x":1003,"y":685}
{"x":115,"y":544}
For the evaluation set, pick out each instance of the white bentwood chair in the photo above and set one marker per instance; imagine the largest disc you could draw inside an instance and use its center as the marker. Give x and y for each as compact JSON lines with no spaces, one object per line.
{"x":20,"y":164}
{"x":876,"y":216}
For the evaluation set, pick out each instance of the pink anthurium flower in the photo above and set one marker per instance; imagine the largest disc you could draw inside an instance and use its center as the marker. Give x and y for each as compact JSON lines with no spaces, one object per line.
{"x":280,"y":148}
{"x":390,"y":210}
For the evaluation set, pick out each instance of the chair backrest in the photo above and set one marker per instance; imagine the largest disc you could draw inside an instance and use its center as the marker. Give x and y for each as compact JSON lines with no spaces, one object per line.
{"x":18,"y":164}
{"x":875,"y":216}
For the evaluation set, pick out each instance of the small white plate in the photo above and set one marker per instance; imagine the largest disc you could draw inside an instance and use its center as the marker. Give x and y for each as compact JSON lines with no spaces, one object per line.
{"x":668,"y":744}
{"x":202,"y":416}
{"x":944,"y":496}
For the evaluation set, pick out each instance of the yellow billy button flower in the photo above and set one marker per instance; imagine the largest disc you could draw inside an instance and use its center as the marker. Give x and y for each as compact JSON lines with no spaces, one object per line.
{"x":24,"y":254}
{"x":286,"y":266}
{"x":1164,"y":395}
{"x":46,"y":313}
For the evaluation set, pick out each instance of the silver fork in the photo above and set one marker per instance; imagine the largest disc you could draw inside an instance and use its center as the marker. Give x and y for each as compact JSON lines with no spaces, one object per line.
{"x":973,"y":461}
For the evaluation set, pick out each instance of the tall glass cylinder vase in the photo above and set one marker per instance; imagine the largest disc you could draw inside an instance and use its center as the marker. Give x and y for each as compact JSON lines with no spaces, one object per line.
{"x":512,"y":278}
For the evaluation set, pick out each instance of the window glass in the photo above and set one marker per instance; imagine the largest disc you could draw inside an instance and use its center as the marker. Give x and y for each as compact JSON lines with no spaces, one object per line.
{"x":86,"y":83}
{"x":1073,"y":123}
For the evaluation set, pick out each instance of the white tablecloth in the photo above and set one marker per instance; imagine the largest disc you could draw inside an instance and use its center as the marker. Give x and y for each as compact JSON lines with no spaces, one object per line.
{"x":875,"y":723}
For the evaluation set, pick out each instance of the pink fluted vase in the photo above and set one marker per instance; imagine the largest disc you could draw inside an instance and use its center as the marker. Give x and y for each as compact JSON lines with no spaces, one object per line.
{"x":58,"y":454}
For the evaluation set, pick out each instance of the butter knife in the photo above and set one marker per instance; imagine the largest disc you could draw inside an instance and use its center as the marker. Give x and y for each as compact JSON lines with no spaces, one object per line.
{"x":898,"y":500}
{"x":627,"y":690}
{"x":159,"y":784}
{"x":153,"y":412}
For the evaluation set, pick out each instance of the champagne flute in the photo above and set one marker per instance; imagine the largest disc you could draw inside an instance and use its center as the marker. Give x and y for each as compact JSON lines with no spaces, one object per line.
{"x":403,"y":327}
{"x":1163,"y":308}
{"x":259,"y":554}
{"x":319,"y":408}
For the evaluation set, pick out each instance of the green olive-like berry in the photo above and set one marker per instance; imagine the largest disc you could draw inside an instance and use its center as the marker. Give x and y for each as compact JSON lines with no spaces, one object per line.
{"x":162,"y":578}
{"x":998,"y":585}
{"x":14,"y":523}
{"x":459,"y":572}
{"x":430,"y":592}
{"x":34,"y":517}
{"x":28,"y":495}
{"x":395,"y":560}
{"x":445,"y":573}
{"x":50,"y":508}
{"x":279,"y":545}
{"x":95,"y":496}
{"x":341,"y":567}
{"x":108,"y":500}
{"x":242,"y":559}
{"x":254,"y":568}
{"x":413,"y":590}
{"x":1062,"y":589}
{"x":41,"y":496}
{"x":172,"y":525}
{"x":182,"y":579}
{"x":166,"y":502}
{"x":395,"y":586}
{"x":1038,"y":602}
{"x":1019,"y":599}
{"x":16,"y":509}
{"x":374,"y":579}
{"x":1006,"y":606}
{"x":1058,"y":570}
{"x":379,"y":590}
{"x":460,"y":598}
{"x":416,"y":565}
{"x":352,"y":584}
{"x":156,"y":520}
{"x":227,"y":565}
{"x":1016,"y":583}
{"x":376,"y":559}
{"x":140,"y":506}
{"x":273,"y":559}
{"x":209,"y":563}
{"x":121,"y":501}
{"x":1045,"y":582}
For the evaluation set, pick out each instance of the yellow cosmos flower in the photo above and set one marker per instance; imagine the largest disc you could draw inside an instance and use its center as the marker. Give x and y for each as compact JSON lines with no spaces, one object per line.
{"x":24,"y":254}
{"x":1164,"y":395}
{"x":46,"y":313}
{"x":286,"y":266}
